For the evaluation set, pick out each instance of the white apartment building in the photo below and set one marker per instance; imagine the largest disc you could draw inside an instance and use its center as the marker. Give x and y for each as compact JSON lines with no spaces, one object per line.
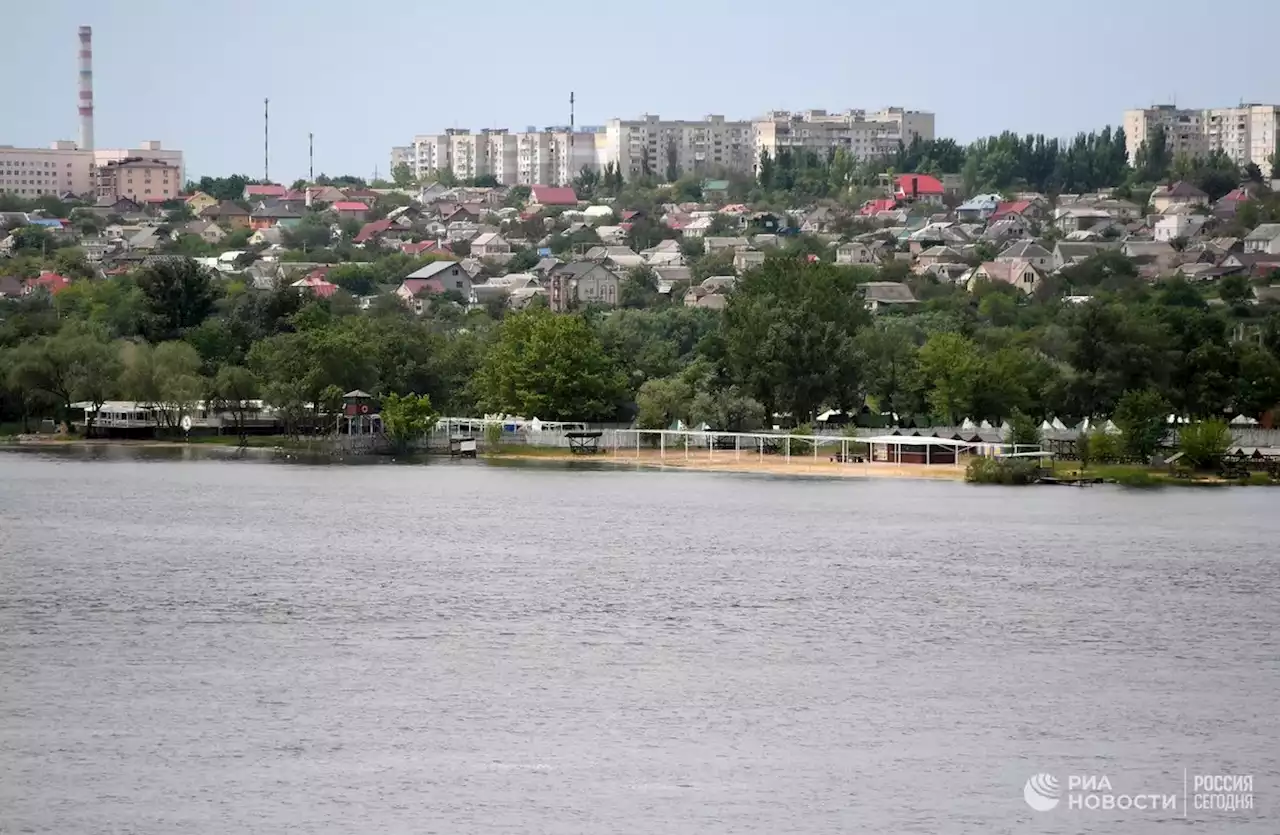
{"x":706,"y":146}
{"x":1247,"y":133}
{"x":555,"y":155}
{"x":36,"y":172}
{"x":403,"y":155}
{"x":863,"y":135}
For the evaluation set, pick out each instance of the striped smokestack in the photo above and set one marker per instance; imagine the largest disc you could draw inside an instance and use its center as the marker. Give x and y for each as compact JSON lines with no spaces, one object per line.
{"x":86,"y":88}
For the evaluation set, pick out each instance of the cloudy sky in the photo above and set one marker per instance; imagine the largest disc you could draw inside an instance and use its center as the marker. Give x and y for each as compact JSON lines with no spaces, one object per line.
{"x":365,"y":76}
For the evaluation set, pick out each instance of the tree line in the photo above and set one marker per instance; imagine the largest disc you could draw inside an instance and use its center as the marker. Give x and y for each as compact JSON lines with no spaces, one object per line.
{"x":794,"y":341}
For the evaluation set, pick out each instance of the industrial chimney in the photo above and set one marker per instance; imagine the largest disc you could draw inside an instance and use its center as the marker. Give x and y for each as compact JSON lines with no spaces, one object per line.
{"x":86,"y":88}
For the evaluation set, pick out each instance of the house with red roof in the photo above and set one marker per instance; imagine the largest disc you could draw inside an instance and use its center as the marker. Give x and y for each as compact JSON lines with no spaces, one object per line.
{"x":552,"y":196}
{"x":420,"y":248}
{"x":252,"y":192}
{"x":47,"y":280}
{"x":871,"y":208}
{"x":351,"y":208}
{"x":316,"y":285}
{"x":1010,"y":208}
{"x":374,"y":230}
{"x":919,"y":188}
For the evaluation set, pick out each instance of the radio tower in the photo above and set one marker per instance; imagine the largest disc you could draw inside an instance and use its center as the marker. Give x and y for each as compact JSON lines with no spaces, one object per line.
{"x":266,"y":140}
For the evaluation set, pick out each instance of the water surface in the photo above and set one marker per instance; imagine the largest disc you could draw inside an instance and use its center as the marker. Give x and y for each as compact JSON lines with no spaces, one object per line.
{"x":238,"y":646}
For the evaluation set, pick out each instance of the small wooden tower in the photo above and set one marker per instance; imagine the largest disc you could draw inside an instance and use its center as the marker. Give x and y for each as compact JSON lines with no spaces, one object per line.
{"x":360,"y":414}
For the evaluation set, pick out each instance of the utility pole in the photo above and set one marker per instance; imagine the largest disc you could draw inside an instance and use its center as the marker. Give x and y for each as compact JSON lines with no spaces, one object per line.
{"x":266,"y":140}
{"x":568,"y":167}
{"x":311,"y":158}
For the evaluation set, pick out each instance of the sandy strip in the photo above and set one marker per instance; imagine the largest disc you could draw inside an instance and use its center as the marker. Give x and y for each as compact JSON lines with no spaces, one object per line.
{"x":729,"y":461}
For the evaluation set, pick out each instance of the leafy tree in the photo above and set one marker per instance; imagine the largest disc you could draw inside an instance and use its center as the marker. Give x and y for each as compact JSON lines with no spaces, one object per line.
{"x":402,"y":175}
{"x":237,"y":387}
{"x":32,"y":239}
{"x":407,"y":419}
{"x":523,"y":260}
{"x":70,"y":365}
{"x":1142,"y":415}
{"x":178,"y":294}
{"x":1234,"y":289}
{"x":1258,"y":384}
{"x":222,"y":188}
{"x":1203,"y":443}
{"x":1084,"y":450}
{"x":551,"y":367}
{"x":661,"y":402}
{"x":639,"y":289}
{"x":1023,"y":430}
{"x":789,"y":331}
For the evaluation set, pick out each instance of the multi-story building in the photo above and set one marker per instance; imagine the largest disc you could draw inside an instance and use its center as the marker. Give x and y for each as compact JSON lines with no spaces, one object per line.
{"x":556,"y":155}
{"x":56,"y":170}
{"x":151,"y":149}
{"x":651,"y":145}
{"x":1247,"y":133}
{"x":863,"y":135}
{"x":139,"y":179}
{"x":403,"y":155}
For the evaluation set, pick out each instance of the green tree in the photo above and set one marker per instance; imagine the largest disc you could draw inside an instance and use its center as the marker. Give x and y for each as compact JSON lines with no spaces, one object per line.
{"x":1023,"y":430}
{"x":178,"y":294}
{"x":237,"y":387}
{"x":788,"y":336}
{"x":661,"y":402}
{"x":951,"y":369}
{"x":1142,"y":416}
{"x":70,"y":365}
{"x":1258,"y":383}
{"x":402,"y":175}
{"x":1234,"y":289}
{"x":1204,"y":442}
{"x":551,"y":367}
{"x":407,"y":420}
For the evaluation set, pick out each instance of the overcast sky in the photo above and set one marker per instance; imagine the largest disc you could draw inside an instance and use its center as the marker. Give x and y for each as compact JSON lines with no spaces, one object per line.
{"x":366,"y":76}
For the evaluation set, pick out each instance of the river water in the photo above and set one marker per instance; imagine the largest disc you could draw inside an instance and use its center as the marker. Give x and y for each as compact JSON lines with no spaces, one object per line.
{"x":248,"y":647}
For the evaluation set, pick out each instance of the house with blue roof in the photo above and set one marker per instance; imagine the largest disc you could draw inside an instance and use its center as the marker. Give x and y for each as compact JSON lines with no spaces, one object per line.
{"x":979,"y":208}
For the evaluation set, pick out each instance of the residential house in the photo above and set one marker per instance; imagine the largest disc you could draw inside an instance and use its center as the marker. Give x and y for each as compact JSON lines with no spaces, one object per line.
{"x":938,"y":255}
{"x":354,"y":209}
{"x":1073,"y":218}
{"x":818,"y":221}
{"x":206,"y":230}
{"x":227,"y":214}
{"x":854,"y":252}
{"x":47,"y":281}
{"x":668,"y":277}
{"x":873,"y":208}
{"x":200,"y":201}
{"x":279,"y":214}
{"x":257,"y":191}
{"x":491,"y":246}
{"x":11,"y":287}
{"x":1180,"y":192}
{"x":1021,"y":274}
{"x":1230,"y":203}
{"x":919,"y":188}
{"x":697,"y":227}
{"x":145,"y":239}
{"x":621,"y":257}
{"x":1008,"y":228}
{"x":316,"y":285}
{"x":1027,"y":250}
{"x":1066,"y":253}
{"x":546,"y":265}
{"x":1264,"y":239}
{"x":664,"y":253}
{"x":586,"y":282}
{"x":549,"y":196}
{"x":271,"y":236}
{"x":433,"y":279}
{"x":715,"y":190}
{"x":374,"y":232}
{"x":1251,"y":264}
{"x":978,"y":209}
{"x":612,"y":235}
{"x":1026,"y":209}
{"x":711,"y":294}
{"x":880,"y":295}
{"x":1123,"y":211}
{"x":716,"y":243}
{"x":746,"y":259}
{"x":1158,"y":253}
{"x":1177,"y":225}
{"x":502,"y":287}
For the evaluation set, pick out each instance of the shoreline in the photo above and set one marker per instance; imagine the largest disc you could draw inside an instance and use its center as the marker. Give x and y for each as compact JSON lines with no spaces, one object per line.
{"x":727,"y":461}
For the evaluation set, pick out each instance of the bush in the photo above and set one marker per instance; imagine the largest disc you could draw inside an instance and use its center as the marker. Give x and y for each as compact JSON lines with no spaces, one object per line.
{"x":1001,"y":471}
{"x":799,"y":447}
{"x":492,"y":437}
{"x":1204,"y":442}
{"x":1105,"y":448}
{"x":1257,"y":480}
{"x":1138,"y":478}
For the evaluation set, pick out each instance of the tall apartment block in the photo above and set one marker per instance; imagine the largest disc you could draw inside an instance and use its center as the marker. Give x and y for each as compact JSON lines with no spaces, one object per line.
{"x":1247,"y":133}
{"x":555,"y":155}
